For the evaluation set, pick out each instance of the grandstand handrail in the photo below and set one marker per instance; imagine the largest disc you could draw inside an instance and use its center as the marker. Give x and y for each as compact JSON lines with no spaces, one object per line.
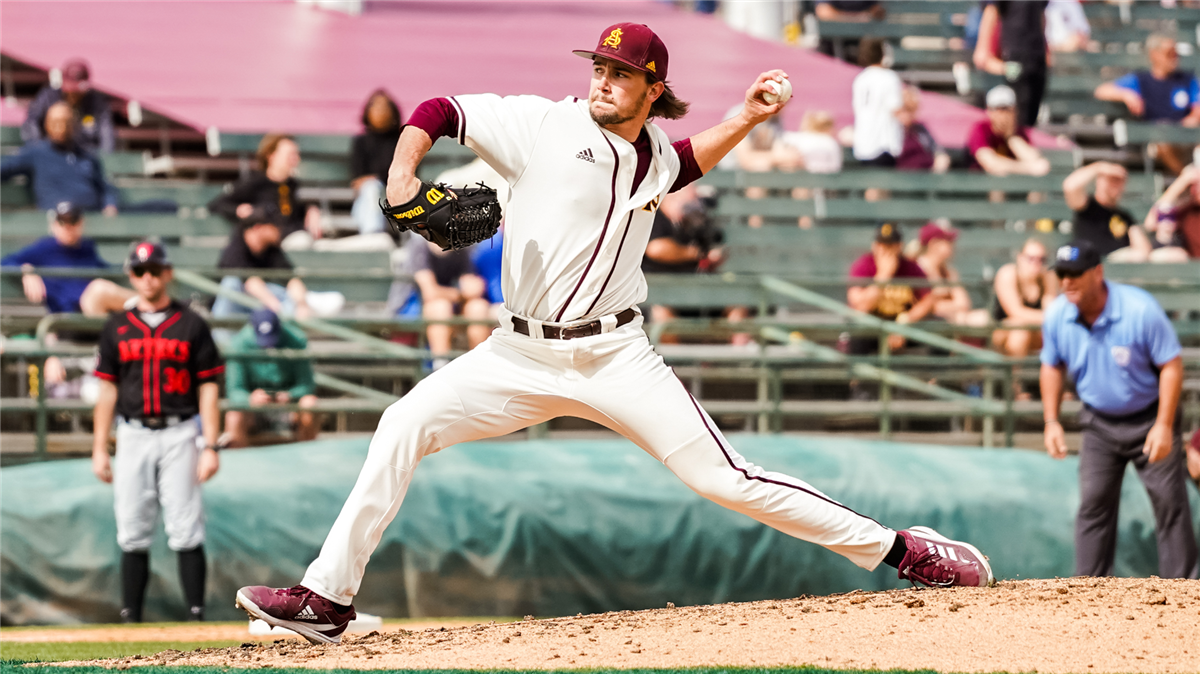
{"x":807,"y":296}
{"x":203,"y":284}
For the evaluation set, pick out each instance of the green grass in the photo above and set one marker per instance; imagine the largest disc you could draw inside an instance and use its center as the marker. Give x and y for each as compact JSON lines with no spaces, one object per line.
{"x":56,"y":651}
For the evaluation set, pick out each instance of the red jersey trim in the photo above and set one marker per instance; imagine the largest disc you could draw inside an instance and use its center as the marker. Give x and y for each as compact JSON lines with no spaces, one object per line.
{"x":106,"y":376}
{"x":207,"y":374}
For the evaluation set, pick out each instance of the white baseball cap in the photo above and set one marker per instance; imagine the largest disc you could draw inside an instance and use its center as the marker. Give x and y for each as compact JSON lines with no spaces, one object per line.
{"x":1002,"y":96}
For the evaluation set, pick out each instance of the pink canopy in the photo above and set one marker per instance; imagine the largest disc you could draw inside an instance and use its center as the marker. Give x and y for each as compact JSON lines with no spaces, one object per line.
{"x":257,"y":66}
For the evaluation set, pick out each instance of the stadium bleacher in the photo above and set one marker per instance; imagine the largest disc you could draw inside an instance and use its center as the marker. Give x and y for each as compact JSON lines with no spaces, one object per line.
{"x":796,"y":368}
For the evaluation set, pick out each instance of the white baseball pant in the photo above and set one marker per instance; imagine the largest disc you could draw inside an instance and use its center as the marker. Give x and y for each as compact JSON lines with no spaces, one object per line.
{"x":512,"y":381}
{"x":156,"y":468}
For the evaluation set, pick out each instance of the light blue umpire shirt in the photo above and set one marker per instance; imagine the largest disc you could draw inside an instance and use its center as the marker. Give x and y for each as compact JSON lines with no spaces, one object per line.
{"x":1115,"y":364}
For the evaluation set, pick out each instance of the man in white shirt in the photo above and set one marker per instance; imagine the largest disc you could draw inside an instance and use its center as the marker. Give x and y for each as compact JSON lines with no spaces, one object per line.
{"x":878,"y":95}
{"x":586,"y":177}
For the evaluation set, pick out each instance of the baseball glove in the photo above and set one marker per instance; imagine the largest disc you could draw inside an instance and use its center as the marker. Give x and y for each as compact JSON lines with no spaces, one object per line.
{"x":451,"y":218}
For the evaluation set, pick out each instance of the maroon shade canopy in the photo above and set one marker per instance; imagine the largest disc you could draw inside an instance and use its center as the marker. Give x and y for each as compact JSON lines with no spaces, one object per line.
{"x":257,"y":66}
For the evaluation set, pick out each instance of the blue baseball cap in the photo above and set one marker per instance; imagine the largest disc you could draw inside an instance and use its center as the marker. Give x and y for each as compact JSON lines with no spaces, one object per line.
{"x":267,"y":329}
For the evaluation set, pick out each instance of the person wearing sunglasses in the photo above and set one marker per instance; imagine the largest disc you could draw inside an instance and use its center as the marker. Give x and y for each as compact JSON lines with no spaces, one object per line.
{"x":158,"y":368}
{"x":1024,"y":289}
{"x":1116,"y":343}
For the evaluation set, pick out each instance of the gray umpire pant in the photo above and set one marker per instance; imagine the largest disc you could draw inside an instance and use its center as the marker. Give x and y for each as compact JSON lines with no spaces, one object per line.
{"x":1108,"y":445}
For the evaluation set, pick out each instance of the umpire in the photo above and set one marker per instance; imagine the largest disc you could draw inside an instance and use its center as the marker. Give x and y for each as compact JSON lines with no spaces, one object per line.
{"x":1117,"y":345}
{"x":157,"y":368}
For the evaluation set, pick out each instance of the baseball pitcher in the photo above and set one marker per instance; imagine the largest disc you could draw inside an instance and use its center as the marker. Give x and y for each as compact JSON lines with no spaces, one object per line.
{"x":586,"y":177}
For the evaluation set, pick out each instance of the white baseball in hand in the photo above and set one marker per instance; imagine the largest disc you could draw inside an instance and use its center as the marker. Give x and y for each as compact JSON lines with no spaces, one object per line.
{"x":782,"y":91}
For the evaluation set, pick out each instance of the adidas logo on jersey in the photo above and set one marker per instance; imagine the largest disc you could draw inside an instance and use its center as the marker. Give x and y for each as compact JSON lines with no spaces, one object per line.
{"x":586,"y":155}
{"x":306,"y":614}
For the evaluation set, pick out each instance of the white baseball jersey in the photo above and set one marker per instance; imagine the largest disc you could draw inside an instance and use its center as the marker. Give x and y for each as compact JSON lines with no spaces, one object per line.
{"x":569,"y":254}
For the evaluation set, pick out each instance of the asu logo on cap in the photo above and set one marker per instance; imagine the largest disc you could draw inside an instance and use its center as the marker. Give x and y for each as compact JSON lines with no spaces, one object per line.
{"x":614,"y":39}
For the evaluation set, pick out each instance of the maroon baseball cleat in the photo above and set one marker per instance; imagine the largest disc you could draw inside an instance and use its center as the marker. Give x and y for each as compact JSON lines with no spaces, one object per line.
{"x":934,"y":560}
{"x":298,"y":609}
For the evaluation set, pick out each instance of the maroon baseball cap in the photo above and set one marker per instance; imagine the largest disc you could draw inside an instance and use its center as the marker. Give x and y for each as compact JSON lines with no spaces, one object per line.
{"x":932,"y":231}
{"x":75,"y":76}
{"x":633,"y":44}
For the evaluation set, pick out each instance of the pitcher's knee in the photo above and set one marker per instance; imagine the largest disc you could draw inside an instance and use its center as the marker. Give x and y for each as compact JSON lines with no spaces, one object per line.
{"x":725,"y":489}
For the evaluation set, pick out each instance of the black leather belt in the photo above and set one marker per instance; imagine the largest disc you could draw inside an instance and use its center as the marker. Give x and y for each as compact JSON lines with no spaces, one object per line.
{"x":155,"y":423}
{"x":573,"y":331}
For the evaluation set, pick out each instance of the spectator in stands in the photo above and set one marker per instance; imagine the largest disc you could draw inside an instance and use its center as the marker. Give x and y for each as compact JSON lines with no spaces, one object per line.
{"x":1024,"y":289}
{"x":1164,"y":93}
{"x":1067,"y":28}
{"x":446,"y":286}
{"x":67,"y":247}
{"x":919,"y":151}
{"x":813,"y":148}
{"x":254,"y":244}
{"x":60,"y":170}
{"x":1099,"y":218}
{"x":878,"y":288}
{"x":685,"y":240}
{"x":950,"y":302}
{"x":1000,"y":145}
{"x":92,"y":122}
{"x":257,"y":382}
{"x":1175,"y":218}
{"x":370,"y":156}
{"x":1012,"y":43}
{"x":878,"y":96}
{"x":857,"y":11}
{"x":274,"y":182}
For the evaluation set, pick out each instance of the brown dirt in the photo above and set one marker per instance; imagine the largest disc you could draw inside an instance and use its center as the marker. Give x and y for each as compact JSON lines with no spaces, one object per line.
{"x":1064,"y":625}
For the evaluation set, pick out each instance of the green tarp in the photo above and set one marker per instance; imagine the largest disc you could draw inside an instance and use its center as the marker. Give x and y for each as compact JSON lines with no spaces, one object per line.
{"x":545,"y":528}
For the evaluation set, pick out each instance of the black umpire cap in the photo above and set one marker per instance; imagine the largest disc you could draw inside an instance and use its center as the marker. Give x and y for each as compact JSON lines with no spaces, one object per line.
{"x":1075,"y":258}
{"x":146,"y":254}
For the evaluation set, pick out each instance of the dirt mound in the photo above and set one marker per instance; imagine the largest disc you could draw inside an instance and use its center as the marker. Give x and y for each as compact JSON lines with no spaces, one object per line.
{"x":1066,"y":625}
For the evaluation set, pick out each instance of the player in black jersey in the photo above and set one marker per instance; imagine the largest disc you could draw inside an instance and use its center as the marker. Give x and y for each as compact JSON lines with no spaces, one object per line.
{"x":158,"y":368}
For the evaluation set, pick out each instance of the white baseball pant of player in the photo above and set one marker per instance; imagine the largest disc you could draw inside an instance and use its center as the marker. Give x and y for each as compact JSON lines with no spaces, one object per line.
{"x":513,"y":381}
{"x":156,"y":468}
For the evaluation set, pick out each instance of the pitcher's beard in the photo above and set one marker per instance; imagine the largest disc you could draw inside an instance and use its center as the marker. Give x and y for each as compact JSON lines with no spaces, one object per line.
{"x":614,"y":118}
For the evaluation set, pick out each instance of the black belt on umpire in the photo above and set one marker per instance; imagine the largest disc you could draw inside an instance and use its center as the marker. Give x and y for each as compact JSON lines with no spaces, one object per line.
{"x":574,"y":331}
{"x":155,"y":423}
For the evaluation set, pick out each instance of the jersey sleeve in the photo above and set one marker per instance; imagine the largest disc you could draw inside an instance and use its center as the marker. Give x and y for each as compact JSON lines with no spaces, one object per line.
{"x":1161,"y":341}
{"x":1130,"y":82}
{"x":1194,"y":91}
{"x":108,"y":359}
{"x":687,"y":170}
{"x":206,"y":360}
{"x":501,"y":130}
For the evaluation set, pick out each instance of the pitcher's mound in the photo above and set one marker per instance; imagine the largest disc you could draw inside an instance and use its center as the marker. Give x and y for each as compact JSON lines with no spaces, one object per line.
{"x":1065,"y":625}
